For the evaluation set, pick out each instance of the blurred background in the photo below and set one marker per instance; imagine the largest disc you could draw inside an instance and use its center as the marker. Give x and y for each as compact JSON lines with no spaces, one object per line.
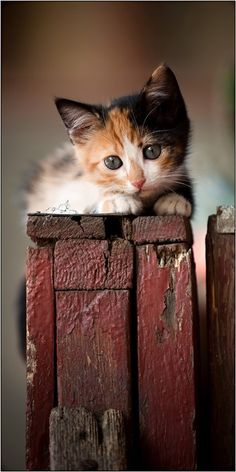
{"x":93,"y":51}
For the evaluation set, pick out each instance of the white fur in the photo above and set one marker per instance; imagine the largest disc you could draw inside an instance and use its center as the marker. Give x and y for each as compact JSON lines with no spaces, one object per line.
{"x":83,"y":196}
{"x":121,"y":204}
{"x":172,"y":204}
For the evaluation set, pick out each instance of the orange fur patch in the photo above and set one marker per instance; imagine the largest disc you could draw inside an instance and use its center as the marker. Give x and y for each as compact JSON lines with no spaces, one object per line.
{"x":170,"y":155}
{"x":108,"y":141}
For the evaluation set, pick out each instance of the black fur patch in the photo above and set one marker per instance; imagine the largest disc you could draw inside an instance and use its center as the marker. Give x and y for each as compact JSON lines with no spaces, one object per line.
{"x":32,"y":174}
{"x":63,"y":162}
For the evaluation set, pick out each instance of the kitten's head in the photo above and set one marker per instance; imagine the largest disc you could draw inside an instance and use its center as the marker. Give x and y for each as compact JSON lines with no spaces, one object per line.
{"x":137,"y":143}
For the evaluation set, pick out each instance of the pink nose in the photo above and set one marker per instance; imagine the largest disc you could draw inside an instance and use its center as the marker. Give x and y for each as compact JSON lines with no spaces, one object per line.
{"x":139,"y":183}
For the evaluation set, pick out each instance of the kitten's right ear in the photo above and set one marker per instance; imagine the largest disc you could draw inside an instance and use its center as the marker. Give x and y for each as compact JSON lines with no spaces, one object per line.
{"x":162,"y":97}
{"x":80,"y":119}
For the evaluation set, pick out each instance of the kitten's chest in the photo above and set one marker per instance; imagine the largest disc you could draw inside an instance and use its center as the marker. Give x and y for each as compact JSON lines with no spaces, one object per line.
{"x":82,"y":195}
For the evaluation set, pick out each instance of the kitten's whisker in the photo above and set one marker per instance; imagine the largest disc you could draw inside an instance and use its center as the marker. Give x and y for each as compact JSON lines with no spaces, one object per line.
{"x":182,"y":184}
{"x":145,"y":119}
{"x":134,"y":118}
{"x":178,"y":182}
{"x":150,"y":133}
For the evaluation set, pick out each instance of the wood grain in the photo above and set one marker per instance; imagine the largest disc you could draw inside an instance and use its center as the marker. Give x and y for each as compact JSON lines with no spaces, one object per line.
{"x":93,"y":350}
{"x":40,"y":356}
{"x":142,"y":229}
{"x":225,"y":219}
{"x":81,"y":441}
{"x":220,"y":259}
{"x":94,"y":281}
{"x":166,"y":358}
{"x":161,"y":229}
{"x":84,"y":264}
{"x":64,"y":227}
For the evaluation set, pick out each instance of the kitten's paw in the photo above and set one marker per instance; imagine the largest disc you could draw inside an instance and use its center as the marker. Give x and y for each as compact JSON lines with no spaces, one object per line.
{"x":121,"y":205}
{"x":173,"y":204}
{"x":129,"y":206}
{"x":106,"y":206}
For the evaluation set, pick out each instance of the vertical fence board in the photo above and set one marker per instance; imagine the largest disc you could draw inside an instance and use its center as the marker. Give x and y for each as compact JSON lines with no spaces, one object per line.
{"x":81,"y":441}
{"x":92,"y":265}
{"x":220,"y":311}
{"x":40,"y":356}
{"x":93,"y":287}
{"x":93,"y":350}
{"x":166,"y":358}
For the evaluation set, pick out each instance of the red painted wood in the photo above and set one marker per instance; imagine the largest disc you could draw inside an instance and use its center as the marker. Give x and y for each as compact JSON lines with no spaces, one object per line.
{"x":93,"y":331}
{"x":65,"y":226}
{"x":93,"y":350}
{"x":40,"y":356}
{"x":166,"y":358}
{"x":161,"y":229}
{"x":220,"y":258}
{"x":142,"y":229}
{"x":83,"y":264}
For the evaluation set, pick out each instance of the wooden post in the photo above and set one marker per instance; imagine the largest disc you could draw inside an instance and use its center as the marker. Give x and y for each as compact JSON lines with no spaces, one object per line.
{"x":166,"y":308}
{"x":40,"y":356}
{"x":81,"y":441}
{"x":220,"y":312}
{"x":107,"y":271}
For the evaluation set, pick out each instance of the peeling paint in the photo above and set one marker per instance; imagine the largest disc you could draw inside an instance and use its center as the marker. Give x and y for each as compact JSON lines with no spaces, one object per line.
{"x":172,"y":257}
{"x":179,"y":317}
{"x":88,"y":360}
{"x":225,"y":219}
{"x":31,"y":362}
{"x":147,"y":252}
{"x":180,"y":257}
{"x":87,"y":309}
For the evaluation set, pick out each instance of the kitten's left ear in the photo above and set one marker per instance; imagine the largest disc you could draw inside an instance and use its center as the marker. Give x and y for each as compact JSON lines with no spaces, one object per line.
{"x":162,"y":94}
{"x":80,"y":119}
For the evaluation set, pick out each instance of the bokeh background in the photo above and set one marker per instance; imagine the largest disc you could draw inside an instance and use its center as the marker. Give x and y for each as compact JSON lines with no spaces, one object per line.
{"x":93,"y":51}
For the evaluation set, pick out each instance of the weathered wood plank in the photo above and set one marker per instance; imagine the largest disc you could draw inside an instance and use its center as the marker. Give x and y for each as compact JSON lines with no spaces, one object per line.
{"x":143,"y":229}
{"x":84,"y":264}
{"x":161,"y":229}
{"x":220,"y":259}
{"x":80,"y":441}
{"x":64,"y":227}
{"x":167,"y":403}
{"x":225,"y":219}
{"x":93,"y":350}
{"x":40,"y":356}
{"x":93,"y":327}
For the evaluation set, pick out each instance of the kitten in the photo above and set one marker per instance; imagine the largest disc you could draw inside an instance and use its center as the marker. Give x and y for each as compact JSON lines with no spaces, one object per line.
{"x":127,"y":157}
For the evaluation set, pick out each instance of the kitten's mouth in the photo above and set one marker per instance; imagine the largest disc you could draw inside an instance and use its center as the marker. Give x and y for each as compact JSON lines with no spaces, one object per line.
{"x":135,"y":191}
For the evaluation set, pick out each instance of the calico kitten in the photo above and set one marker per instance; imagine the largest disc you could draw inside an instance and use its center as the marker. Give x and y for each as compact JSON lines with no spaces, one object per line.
{"x":127,"y":157}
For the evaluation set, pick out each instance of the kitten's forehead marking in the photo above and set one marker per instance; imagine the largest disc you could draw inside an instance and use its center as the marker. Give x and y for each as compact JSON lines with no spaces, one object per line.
{"x":129,"y":152}
{"x":133,"y":158}
{"x":130,"y":149}
{"x":121,"y":126}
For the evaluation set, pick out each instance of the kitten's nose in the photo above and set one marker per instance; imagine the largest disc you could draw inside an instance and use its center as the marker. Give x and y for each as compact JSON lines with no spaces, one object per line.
{"x":139,"y":183}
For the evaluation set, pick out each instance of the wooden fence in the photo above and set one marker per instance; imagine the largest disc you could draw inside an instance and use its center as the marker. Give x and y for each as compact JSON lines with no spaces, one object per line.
{"x":221,"y":338}
{"x":112,"y":344}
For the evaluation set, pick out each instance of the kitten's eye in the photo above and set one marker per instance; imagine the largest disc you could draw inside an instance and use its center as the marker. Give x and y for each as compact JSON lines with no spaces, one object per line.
{"x":113,"y":162}
{"x":152,"y":152}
